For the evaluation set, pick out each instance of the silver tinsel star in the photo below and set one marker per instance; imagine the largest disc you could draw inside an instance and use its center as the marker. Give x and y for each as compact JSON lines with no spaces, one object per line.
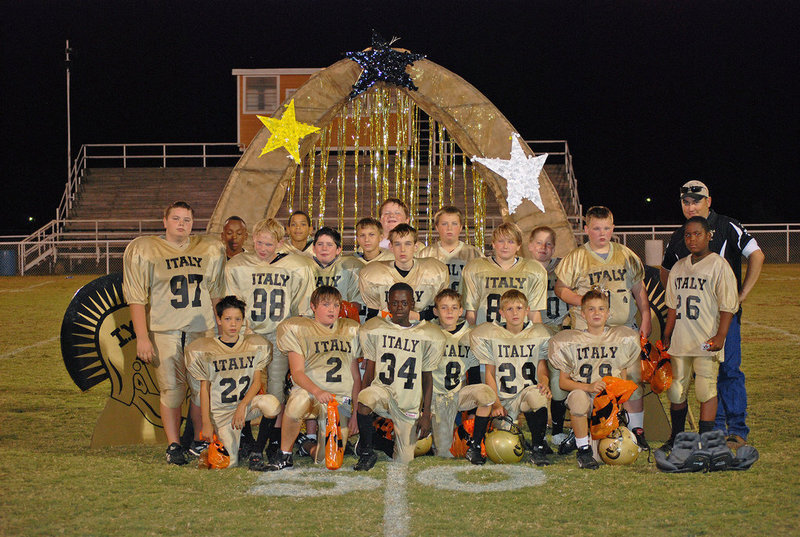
{"x":521,"y":173}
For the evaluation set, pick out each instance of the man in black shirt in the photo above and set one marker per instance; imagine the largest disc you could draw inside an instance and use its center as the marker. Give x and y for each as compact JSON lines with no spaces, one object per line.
{"x":732,"y":241}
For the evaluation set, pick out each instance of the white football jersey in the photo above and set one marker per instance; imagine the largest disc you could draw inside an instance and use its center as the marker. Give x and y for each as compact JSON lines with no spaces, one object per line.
{"x":484,"y":282}
{"x":588,"y":358}
{"x":454,"y":260}
{"x":342,"y":274}
{"x":457,"y":358}
{"x":427,"y":277}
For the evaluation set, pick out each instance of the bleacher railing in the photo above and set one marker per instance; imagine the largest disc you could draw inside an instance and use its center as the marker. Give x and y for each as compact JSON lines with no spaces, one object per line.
{"x":160,"y":155}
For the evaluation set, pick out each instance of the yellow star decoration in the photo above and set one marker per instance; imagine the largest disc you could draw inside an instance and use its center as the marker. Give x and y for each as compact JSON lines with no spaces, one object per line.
{"x":286,"y":132}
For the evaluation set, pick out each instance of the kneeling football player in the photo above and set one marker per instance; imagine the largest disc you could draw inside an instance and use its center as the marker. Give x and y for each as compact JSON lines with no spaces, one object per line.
{"x":450,"y":394}
{"x":584,"y":357}
{"x":323,"y":358}
{"x":229,"y":369}
{"x":400,"y":356}
{"x":515,"y":356}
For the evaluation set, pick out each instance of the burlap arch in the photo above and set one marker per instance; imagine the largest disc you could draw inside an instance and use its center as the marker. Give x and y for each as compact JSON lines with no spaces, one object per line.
{"x":257,"y":185}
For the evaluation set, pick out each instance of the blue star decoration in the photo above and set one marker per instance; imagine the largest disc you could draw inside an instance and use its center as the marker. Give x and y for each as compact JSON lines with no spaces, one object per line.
{"x":380,"y":62}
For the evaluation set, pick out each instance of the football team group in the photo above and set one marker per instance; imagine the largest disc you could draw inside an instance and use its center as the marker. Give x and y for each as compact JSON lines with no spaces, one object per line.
{"x":428,"y":337}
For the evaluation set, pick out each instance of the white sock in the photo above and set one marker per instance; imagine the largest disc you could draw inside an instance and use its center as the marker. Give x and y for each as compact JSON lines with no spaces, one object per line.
{"x":312,"y":436}
{"x":635,"y":419}
{"x":580,"y":442}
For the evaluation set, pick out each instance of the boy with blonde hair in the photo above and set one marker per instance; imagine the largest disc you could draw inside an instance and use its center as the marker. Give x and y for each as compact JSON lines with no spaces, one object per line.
{"x":485,"y":279}
{"x":515,"y":356}
{"x":449,"y":249}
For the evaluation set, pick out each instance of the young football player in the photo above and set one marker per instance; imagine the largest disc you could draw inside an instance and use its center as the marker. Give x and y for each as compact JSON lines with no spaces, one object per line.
{"x":333,"y":270}
{"x":275,"y":286}
{"x":234,"y":235}
{"x":702,"y":298}
{"x":485,"y":279}
{"x":515,"y":357}
{"x":427,"y":276}
{"x":617,"y":269}
{"x":392,"y":212}
{"x":323,"y":357}
{"x":450,"y":394}
{"x":230,"y":368}
{"x":400,"y":355}
{"x":368,"y":241}
{"x":542,"y":245}
{"x":179,"y":276}
{"x":450,"y":250}
{"x":300,"y":230}
{"x":583,"y":357}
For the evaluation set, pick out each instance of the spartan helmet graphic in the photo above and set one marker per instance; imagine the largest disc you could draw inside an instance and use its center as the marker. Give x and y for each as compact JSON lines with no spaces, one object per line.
{"x":98,"y":343}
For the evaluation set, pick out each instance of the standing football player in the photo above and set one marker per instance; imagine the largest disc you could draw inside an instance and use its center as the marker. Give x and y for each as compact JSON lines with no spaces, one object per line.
{"x":323,"y":357}
{"x":449,"y":249}
{"x":299,"y":232}
{"x":401,"y":355}
{"x":485,"y":279}
{"x":368,"y":241}
{"x":234,"y":235}
{"x":334,"y":270}
{"x":427,"y":276}
{"x":542,"y":245}
{"x":702,"y":299}
{"x":515,"y":357}
{"x":179,"y":276}
{"x":616,"y":268}
{"x":450,"y":394}
{"x":230,"y":368}
{"x":583,"y":357}
{"x":275,"y":286}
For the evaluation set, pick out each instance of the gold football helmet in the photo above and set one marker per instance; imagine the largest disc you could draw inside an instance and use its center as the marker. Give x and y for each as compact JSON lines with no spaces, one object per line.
{"x":505,"y":443}
{"x":619,"y":447}
{"x":423,"y":446}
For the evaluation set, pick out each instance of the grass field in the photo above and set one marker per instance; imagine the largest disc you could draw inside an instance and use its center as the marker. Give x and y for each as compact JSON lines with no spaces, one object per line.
{"x":53,"y":484}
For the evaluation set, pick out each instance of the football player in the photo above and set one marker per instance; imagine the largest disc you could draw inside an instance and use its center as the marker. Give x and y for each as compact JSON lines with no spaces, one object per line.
{"x":368,"y":241}
{"x":617,"y":269}
{"x":333,"y":270}
{"x":702,"y":298}
{"x":450,"y":250}
{"x":584,"y":357}
{"x":392,"y":212}
{"x":179,"y":276}
{"x":542,"y":245}
{"x":234,"y":235}
{"x":275,"y":286}
{"x":427,"y":276}
{"x":230,"y":368}
{"x":299,"y":232}
{"x":515,"y":356}
{"x":400,"y":355}
{"x":485,"y":279}
{"x":323,"y":357}
{"x":450,"y":394}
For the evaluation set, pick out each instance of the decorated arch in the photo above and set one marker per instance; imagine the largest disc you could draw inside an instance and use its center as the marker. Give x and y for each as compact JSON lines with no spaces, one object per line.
{"x":415,"y":142}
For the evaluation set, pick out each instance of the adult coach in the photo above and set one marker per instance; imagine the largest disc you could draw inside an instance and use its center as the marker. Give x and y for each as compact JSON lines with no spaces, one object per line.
{"x":732,"y":241}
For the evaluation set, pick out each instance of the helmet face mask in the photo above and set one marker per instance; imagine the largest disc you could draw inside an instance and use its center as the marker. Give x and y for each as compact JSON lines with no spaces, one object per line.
{"x":505,"y":443}
{"x":619,"y":447}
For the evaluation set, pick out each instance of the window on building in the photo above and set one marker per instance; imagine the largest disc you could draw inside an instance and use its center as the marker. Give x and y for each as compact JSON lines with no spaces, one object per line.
{"x":261,"y":94}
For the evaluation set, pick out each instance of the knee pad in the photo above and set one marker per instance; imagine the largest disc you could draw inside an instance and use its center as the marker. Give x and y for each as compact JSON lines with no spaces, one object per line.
{"x":268,"y":405}
{"x":298,"y":405}
{"x":579,"y":403}
{"x":174,"y":397}
{"x":484,"y":396}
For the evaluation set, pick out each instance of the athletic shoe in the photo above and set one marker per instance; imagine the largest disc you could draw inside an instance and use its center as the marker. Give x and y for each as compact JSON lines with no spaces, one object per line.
{"x":568,"y":445}
{"x":539,"y":456}
{"x":282,"y":460}
{"x":273,"y":448}
{"x":304,"y":445}
{"x":734,"y":442}
{"x":256,"y":462}
{"x":197,"y":447}
{"x":638,"y":432}
{"x":558,"y":438}
{"x":176,"y":455}
{"x":474,"y":454}
{"x":246,"y":446}
{"x":666,"y":447}
{"x":366,"y":461}
{"x":586,"y":458}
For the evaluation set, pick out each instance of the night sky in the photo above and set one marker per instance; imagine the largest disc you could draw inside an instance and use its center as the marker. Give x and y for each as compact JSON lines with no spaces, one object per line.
{"x":648,"y":94}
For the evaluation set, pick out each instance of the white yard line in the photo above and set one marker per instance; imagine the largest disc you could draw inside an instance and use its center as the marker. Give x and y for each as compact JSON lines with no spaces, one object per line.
{"x":23,"y":349}
{"x":23,"y":289}
{"x":395,"y":502}
{"x":789,"y":335}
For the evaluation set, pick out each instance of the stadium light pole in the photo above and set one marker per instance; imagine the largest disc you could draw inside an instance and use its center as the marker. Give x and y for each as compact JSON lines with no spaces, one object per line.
{"x":67,"y":52}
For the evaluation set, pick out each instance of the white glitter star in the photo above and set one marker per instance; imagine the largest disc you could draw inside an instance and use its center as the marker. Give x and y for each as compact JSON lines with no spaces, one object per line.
{"x":521,"y":173}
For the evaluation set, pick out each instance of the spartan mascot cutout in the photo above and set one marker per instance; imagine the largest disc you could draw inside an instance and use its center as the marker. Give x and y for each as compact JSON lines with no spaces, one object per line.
{"x":98,"y":344}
